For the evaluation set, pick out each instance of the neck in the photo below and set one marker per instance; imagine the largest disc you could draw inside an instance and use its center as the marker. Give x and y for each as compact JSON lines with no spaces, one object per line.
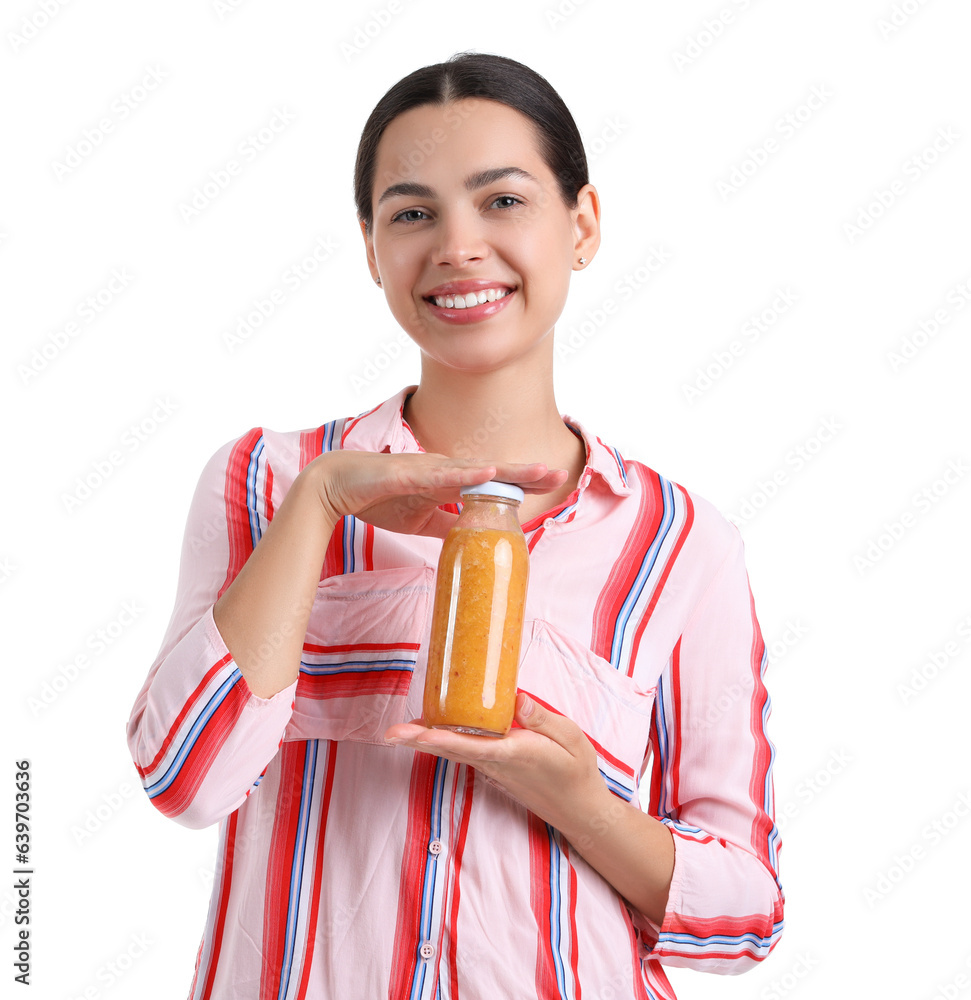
{"x":505,"y":416}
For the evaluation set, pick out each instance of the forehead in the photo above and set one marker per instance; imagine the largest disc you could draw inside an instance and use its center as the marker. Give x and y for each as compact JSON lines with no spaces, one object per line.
{"x":445,"y":141}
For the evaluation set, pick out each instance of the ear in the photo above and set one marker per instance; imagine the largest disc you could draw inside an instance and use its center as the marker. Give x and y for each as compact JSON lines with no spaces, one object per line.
{"x":586,"y":222}
{"x":369,"y":245}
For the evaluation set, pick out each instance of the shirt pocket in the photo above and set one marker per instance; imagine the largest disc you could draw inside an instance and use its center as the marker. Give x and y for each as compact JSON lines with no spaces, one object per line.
{"x":615,"y":714}
{"x":359,"y":654}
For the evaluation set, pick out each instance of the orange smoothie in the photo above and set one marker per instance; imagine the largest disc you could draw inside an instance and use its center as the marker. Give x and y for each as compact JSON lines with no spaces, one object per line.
{"x":476,"y":632}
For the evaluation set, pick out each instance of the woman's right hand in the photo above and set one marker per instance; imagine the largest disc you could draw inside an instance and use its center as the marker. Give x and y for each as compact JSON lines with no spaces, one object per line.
{"x":403,"y":492}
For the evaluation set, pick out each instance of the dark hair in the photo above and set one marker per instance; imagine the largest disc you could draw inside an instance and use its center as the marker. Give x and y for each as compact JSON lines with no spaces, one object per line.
{"x":490,"y":77}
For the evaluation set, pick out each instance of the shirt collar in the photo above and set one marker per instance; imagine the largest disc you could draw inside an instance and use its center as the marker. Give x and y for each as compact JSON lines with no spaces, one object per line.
{"x":384,"y":428}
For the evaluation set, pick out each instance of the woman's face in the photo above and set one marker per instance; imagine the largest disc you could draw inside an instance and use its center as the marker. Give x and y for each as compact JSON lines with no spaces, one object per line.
{"x":464,"y":205}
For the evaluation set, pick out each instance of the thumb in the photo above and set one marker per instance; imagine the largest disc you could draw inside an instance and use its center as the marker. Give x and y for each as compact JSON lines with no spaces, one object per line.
{"x":530,"y":714}
{"x":439,"y":523}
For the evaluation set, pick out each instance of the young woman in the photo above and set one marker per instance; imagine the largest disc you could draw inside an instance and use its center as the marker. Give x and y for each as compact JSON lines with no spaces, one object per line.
{"x":627,"y":820}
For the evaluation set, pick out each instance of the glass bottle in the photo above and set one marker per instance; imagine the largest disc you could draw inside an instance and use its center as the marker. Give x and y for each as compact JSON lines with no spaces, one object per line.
{"x":477,"y":616}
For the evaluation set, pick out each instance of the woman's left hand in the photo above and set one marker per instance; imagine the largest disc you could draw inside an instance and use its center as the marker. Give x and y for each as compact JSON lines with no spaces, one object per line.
{"x":551,"y":767}
{"x":548,"y":763}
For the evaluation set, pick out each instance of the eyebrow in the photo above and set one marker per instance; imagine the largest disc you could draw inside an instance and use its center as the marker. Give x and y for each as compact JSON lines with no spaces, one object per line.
{"x":473,"y":182}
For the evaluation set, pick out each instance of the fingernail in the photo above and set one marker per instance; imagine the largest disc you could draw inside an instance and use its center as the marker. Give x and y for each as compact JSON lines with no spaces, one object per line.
{"x":527,"y":706}
{"x":392,"y":739}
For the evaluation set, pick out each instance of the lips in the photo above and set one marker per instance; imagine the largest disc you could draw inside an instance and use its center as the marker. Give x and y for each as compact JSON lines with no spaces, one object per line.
{"x":469,"y":300}
{"x":462,"y":305}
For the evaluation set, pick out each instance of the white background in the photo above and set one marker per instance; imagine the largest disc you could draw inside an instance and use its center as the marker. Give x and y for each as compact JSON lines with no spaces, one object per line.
{"x":871,"y":737}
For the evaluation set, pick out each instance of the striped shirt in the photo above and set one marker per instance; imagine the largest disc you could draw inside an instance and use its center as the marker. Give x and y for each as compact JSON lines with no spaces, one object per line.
{"x":348,"y":868}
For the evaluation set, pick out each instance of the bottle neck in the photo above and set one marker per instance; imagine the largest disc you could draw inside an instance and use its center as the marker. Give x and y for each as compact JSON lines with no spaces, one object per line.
{"x":489,"y":498}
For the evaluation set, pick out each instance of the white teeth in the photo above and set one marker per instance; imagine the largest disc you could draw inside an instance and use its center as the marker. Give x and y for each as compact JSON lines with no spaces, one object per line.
{"x":472,"y":299}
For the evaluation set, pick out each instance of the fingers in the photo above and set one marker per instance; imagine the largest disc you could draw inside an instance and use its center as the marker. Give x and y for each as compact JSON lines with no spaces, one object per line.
{"x":429,"y":472}
{"x":523,"y":743}
{"x":438,"y":478}
{"x":535,"y":477}
{"x":460,"y":747}
{"x":403,"y":492}
{"x":532,"y":477}
{"x":553,"y":479}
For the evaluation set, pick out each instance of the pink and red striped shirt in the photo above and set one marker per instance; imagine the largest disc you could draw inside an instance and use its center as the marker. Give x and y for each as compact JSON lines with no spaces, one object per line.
{"x":350,"y":868}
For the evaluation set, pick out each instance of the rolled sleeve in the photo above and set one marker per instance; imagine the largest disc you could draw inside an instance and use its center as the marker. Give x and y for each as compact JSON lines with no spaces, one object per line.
{"x":200,"y":739}
{"x":712,"y":786}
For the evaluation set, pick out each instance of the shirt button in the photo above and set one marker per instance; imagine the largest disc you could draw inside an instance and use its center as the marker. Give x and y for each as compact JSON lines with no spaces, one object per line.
{"x":436,"y":847}
{"x":426,"y":950}
{"x":549,"y":522}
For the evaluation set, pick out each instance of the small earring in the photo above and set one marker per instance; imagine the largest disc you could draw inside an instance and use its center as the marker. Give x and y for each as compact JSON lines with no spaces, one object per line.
{"x":583,"y":260}
{"x":378,"y":280}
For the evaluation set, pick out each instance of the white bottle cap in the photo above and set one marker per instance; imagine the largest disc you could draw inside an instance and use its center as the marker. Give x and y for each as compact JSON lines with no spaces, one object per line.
{"x":495,"y":489}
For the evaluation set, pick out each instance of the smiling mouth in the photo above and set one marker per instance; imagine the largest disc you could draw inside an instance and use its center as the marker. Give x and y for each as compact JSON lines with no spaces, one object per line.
{"x":469,"y":300}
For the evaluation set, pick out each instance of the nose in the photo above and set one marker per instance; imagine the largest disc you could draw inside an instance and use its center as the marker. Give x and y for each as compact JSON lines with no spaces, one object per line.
{"x":461,"y":238}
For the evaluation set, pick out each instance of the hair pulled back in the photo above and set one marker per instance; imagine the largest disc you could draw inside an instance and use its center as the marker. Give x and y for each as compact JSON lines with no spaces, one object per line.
{"x":488,"y":77}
